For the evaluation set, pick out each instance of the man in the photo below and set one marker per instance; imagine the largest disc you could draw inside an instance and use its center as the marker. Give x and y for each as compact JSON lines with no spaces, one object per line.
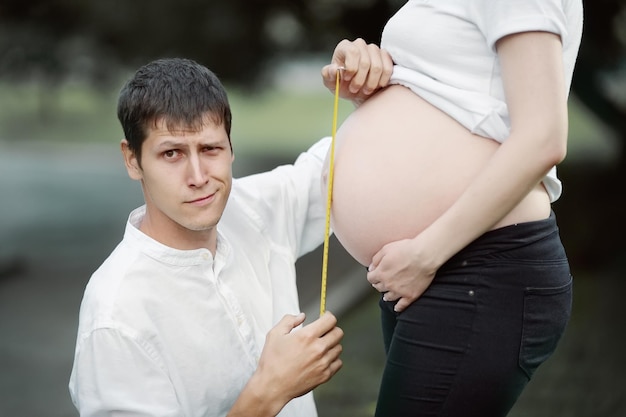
{"x":174,"y":322}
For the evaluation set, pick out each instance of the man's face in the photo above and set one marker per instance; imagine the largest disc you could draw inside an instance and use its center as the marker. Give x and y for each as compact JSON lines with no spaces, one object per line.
{"x":186,"y":177}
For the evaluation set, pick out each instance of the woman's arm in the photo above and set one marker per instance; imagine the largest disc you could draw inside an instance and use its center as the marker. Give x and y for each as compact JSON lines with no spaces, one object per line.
{"x":534,"y":86}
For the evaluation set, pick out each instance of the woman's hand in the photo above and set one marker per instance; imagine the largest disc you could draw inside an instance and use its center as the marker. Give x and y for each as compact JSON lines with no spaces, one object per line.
{"x":365,"y":69}
{"x":402,"y":272}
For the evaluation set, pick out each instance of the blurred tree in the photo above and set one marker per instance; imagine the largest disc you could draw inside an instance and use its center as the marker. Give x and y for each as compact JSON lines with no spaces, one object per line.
{"x":593,"y":201}
{"x":53,"y":39}
{"x":236,"y":38}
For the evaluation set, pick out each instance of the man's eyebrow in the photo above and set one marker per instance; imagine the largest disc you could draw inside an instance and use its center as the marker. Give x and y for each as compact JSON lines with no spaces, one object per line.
{"x":183,"y":144}
{"x":214,"y":142}
{"x":172,"y":144}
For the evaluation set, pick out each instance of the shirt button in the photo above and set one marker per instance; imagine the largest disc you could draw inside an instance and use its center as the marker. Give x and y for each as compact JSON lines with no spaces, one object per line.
{"x":205,"y":256}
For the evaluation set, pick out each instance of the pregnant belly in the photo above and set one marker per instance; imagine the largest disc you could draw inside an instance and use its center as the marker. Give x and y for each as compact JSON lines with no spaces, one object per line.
{"x":399,"y":164}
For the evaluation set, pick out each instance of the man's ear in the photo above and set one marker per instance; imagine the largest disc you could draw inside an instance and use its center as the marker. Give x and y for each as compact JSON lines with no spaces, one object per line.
{"x":131,"y":162}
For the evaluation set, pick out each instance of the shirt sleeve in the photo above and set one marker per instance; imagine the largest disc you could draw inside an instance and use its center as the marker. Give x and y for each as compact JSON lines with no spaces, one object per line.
{"x":497,"y":19}
{"x":287,"y":202}
{"x":115,"y":375}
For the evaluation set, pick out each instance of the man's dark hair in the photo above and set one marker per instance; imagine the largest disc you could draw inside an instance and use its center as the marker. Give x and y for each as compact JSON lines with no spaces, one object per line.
{"x":179,"y":92}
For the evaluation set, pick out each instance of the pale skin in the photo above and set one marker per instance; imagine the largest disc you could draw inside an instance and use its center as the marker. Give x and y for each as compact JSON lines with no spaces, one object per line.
{"x":535,"y":93}
{"x":186,"y":178}
{"x":365,"y":69}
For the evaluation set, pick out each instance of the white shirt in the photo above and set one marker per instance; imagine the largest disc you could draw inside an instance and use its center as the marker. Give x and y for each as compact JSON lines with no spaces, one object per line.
{"x":166,"y":332}
{"x":445,"y":52}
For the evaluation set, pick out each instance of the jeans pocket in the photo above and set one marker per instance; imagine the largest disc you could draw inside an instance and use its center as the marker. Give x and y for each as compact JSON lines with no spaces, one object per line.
{"x":546,"y":313}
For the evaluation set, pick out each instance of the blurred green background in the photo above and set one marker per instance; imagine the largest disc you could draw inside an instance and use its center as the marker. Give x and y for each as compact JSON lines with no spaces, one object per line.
{"x":64,"y":196}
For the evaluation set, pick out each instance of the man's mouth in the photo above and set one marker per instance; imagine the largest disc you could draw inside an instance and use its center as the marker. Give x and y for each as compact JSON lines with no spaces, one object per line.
{"x":202,"y":200}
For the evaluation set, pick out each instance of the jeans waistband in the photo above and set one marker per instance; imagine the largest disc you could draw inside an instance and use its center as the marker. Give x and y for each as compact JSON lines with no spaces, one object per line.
{"x":535,"y":238}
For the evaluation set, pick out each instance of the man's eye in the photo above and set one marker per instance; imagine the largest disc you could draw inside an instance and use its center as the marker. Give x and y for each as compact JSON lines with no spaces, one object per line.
{"x":212,"y":150}
{"x":172,"y":153}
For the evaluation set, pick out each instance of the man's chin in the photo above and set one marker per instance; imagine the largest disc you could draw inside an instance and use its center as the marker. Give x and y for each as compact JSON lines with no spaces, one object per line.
{"x":201,"y":226}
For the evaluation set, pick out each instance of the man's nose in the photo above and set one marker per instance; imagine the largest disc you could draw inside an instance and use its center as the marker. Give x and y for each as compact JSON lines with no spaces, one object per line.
{"x":198,"y":175}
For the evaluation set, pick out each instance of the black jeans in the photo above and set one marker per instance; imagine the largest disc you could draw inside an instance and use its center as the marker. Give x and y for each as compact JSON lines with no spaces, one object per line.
{"x":470,"y":344}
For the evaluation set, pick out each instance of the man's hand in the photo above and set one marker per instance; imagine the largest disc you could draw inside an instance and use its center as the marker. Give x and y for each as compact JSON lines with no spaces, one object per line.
{"x":298,"y":360}
{"x":293,"y":362}
{"x":365,"y":69}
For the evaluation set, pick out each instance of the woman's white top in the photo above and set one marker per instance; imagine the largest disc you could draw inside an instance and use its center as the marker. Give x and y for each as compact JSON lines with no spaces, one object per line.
{"x":445,"y":52}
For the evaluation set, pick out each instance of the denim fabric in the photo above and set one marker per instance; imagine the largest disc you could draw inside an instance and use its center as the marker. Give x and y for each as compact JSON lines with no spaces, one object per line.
{"x":470,"y":344}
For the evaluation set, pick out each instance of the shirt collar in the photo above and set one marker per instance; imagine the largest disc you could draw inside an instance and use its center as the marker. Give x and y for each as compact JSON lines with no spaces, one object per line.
{"x":171,"y":256}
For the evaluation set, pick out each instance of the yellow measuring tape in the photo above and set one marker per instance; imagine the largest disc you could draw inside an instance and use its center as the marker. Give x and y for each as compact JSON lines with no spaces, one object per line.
{"x":329,"y":197}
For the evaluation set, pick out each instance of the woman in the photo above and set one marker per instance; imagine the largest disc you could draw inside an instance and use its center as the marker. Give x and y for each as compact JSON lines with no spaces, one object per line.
{"x":443,"y":186}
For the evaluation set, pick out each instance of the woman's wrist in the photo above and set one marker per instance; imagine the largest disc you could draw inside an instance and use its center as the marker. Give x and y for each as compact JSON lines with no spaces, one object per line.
{"x":432,"y":250}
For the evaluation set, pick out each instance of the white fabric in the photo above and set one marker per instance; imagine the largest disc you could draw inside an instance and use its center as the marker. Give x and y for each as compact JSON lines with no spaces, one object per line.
{"x":166,"y":332}
{"x":445,"y":52}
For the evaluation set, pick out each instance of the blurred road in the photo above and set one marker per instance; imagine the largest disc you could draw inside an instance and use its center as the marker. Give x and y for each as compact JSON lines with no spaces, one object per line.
{"x":63,"y":209}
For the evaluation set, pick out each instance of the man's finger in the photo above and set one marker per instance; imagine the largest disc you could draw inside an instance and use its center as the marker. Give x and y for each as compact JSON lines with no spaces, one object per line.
{"x":289,"y":322}
{"x":334,"y":336}
{"x":322,"y":325}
